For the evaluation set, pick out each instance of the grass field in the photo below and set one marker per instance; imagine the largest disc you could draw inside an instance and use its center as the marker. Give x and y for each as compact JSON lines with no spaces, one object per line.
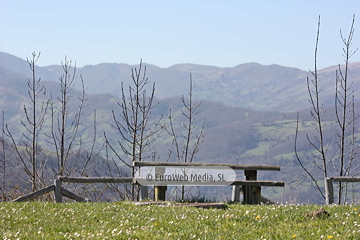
{"x":39,"y":220}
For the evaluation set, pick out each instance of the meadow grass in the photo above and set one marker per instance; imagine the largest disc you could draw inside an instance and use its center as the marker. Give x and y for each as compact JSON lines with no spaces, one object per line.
{"x":123,"y":220}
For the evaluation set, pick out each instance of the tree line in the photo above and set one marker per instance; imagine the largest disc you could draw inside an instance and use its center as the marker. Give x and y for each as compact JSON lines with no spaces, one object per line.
{"x":48,"y":116}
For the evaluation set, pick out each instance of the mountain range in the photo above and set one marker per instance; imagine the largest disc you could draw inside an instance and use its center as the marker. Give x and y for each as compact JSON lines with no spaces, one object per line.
{"x":249,"y":110}
{"x":248,"y":85}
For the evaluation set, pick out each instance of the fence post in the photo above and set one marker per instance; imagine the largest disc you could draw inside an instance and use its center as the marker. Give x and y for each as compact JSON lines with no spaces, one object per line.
{"x":144,"y":192}
{"x":57,"y":191}
{"x":329,"y":191}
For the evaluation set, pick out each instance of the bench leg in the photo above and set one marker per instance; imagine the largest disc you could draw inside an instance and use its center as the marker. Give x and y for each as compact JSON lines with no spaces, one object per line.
{"x":256,"y":193}
{"x":235,"y":196}
{"x":160,"y":192}
{"x":252,"y":194}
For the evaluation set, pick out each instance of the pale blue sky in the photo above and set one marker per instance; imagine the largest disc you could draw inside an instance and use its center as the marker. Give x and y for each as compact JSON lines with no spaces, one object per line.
{"x":163,"y":33}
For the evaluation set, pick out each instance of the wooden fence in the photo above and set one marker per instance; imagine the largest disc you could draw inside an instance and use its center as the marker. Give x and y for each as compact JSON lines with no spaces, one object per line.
{"x":251,"y":187}
{"x":59,"y":191}
{"x":329,"y":188}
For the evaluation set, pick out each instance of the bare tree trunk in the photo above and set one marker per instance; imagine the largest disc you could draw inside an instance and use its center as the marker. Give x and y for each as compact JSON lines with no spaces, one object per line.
{"x":191,"y":146}
{"x":65,"y":124}
{"x":3,"y":162}
{"x":316,"y":112}
{"x":33,"y":123}
{"x":137,"y":135}
{"x":344,"y":117}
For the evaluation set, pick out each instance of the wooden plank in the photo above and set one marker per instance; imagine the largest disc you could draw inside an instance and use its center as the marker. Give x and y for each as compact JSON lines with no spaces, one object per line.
{"x":170,"y":204}
{"x":329,"y":191}
{"x":145,"y":203}
{"x":346,"y":179}
{"x":97,"y":179}
{"x":203,"y":205}
{"x":183,"y":164}
{"x":35,"y":194}
{"x":73,"y":196}
{"x":259,"y":183}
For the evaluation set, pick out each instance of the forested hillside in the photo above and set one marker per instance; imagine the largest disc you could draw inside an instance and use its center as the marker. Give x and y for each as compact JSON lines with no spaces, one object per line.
{"x":234,"y":132}
{"x":248,"y":85}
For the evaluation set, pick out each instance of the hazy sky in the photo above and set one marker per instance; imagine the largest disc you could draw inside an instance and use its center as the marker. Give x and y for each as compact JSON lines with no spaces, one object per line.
{"x":220,"y":33}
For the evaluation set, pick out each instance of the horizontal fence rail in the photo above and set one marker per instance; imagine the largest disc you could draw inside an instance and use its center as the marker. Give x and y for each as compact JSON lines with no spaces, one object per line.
{"x":35,"y":194}
{"x":97,"y":179}
{"x":59,"y":191}
{"x":346,"y":179}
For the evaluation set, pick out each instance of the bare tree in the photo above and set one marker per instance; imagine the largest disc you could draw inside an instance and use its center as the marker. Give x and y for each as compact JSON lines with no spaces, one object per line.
{"x":66,"y":112}
{"x":345,"y":118}
{"x":3,"y":166}
{"x":33,"y":123}
{"x":65,"y":124}
{"x":9,"y":188}
{"x":187,"y":146}
{"x":136,"y":131}
{"x":113,"y":169}
{"x":345,"y":115}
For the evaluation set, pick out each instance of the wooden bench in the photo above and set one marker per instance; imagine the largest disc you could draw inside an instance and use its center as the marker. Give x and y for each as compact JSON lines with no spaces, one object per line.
{"x":251,"y":186}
